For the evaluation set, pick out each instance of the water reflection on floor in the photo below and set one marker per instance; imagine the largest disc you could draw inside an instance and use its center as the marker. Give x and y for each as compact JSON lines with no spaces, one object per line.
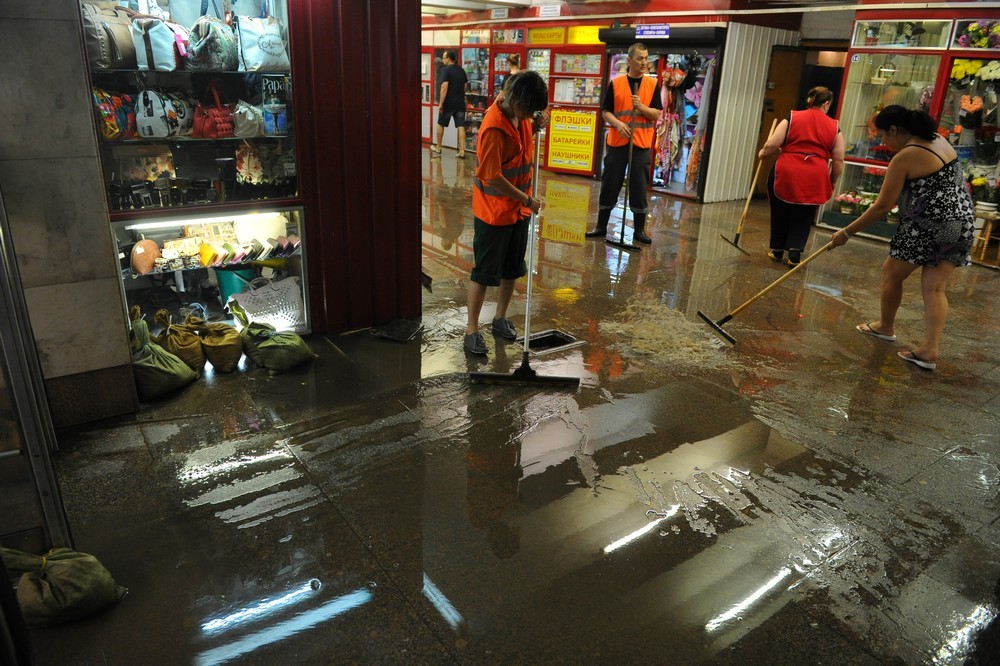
{"x":802,"y":497}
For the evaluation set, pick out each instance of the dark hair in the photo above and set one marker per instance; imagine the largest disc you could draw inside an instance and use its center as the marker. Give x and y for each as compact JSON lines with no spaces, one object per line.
{"x":638,"y":46}
{"x":819,"y":96}
{"x":917,"y":122}
{"x":450,"y":55}
{"x":527,"y":91}
{"x":514,"y":59}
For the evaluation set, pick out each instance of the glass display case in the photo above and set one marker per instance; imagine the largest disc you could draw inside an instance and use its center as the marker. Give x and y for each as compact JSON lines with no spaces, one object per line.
{"x":969,"y":113}
{"x":476,"y":63}
{"x":190,"y":133}
{"x":540,"y":60}
{"x":908,"y":34}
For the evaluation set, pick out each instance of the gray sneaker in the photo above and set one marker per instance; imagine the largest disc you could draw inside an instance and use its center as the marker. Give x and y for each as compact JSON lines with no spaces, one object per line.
{"x":504,"y":328}
{"x":475,"y":344}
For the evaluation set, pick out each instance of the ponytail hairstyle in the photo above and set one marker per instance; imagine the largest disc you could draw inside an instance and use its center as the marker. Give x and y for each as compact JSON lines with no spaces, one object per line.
{"x":514,"y":59}
{"x":818,"y":96}
{"x":917,"y":122}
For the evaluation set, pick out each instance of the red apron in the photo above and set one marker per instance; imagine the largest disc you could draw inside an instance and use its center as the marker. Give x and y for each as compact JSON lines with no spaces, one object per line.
{"x":802,"y":172}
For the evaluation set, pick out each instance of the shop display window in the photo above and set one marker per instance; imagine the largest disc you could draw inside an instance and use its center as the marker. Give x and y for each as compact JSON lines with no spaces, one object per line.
{"x":579,"y":91}
{"x":580,"y":63}
{"x":907,"y":34}
{"x":512,"y":36}
{"x":476,"y":36}
{"x":977,"y":34}
{"x":877,"y":80}
{"x":476,"y":63}
{"x":191,"y":119}
{"x":540,"y":60}
{"x":969,"y":115}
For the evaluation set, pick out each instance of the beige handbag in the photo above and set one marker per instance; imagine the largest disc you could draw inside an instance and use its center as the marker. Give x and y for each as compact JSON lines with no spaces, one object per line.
{"x":248,"y":120}
{"x":107,"y":32}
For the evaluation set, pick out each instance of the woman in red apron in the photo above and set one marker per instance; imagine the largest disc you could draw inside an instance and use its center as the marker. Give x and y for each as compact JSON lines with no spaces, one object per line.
{"x":802,"y":178}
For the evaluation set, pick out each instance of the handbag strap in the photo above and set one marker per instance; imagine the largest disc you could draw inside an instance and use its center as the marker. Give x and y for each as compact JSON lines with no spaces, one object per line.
{"x":213,"y":88}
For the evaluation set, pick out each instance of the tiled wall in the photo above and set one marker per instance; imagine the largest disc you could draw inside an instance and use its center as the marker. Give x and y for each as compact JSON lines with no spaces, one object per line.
{"x":50,"y":177}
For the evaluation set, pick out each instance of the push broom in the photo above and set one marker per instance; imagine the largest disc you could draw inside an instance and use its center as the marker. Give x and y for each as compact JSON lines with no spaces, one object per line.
{"x":746,"y":207}
{"x":525,"y":374}
{"x":717,"y":325}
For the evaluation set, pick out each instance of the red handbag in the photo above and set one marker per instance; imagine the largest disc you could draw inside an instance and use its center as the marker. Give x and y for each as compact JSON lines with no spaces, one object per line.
{"x":213,"y":122}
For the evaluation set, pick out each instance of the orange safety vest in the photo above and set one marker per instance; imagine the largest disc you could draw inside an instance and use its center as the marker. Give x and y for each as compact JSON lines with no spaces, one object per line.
{"x":644,"y":128}
{"x":487,"y":203}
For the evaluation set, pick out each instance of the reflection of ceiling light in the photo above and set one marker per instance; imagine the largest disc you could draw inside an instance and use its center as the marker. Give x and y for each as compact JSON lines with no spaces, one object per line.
{"x":958,"y":640}
{"x":441,"y":603}
{"x":748,"y":602}
{"x":189,"y":474}
{"x":259,"y":610}
{"x":283,"y":630}
{"x":645,"y":529}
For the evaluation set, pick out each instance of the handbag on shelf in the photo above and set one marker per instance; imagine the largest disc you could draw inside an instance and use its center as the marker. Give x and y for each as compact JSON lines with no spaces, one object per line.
{"x":275,"y":302}
{"x":117,"y":114}
{"x":161,"y":114}
{"x":213,"y":46}
{"x":107,"y":31}
{"x":262,"y":45}
{"x":248,"y":120}
{"x":160,"y":45}
{"x":213,"y":122}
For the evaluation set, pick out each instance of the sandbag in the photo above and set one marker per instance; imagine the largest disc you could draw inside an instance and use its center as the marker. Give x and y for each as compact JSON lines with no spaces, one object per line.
{"x":182,"y":341}
{"x":221,"y":343}
{"x":157,"y":372}
{"x":61,"y":586}
{"x":273,"y":351}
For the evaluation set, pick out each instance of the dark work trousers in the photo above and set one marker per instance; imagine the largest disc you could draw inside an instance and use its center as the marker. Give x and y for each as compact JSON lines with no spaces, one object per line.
{"x":613,"y":177}
{"x":790,"y":223}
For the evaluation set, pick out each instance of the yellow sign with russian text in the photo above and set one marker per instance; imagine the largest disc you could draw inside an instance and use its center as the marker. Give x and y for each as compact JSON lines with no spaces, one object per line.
{"x":583,"y":34}
{"x":571,"y":140}
{"x":546,"y":35}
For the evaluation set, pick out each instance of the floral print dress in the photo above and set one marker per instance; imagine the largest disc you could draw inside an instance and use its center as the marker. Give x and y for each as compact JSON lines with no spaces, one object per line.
{"x":936,"y":219}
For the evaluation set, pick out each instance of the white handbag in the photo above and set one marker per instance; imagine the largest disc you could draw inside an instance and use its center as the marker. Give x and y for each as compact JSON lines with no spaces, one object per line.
{"x":248,"y":120}
{"x":274,"y":302}
{"x":159,"y":44}
{"x":262,"y":45}
{"x":160,"y":115}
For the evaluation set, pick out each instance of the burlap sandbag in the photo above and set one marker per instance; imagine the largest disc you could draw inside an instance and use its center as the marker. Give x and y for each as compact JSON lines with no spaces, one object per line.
{"x":181,"y":341}
{"x":273,"y":351}
{"x":221,"y":343}
{"x":156,"y":371}
{"x":61,"y":586}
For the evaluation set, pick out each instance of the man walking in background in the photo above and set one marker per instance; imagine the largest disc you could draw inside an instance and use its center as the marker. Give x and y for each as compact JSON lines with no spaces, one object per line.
{"x":631,"y":108}
{"x":452,"y":104}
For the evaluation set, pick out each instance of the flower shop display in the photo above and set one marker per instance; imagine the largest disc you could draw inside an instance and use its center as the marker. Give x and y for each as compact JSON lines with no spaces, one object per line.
{"x":848,"y":202}
{"x":990,"y":71}
{"x":983,"y":34}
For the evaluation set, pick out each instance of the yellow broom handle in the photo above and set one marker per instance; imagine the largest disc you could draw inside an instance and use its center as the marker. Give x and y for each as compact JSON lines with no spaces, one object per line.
{"x":753,"y":185}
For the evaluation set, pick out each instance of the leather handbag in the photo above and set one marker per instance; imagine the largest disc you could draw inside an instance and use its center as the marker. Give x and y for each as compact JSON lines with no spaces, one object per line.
{"x":213,"y":122}
{"x":107,"y":33}
{"x":116,"y":113}
{"x":160,"y":45}
{"x":161,"y":114}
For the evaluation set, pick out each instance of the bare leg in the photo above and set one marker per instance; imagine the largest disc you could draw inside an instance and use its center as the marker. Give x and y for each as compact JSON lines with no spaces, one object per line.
{"x":932,"y":284}
{"x":474,"y":303}
{"x":440,"y":136}
{"x":894,"y":272}
{"x":504,"y":294}
{"x":461,"y":138}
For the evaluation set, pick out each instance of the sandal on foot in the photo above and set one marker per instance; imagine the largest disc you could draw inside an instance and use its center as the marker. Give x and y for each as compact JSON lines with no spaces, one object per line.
{"x":916,"y":360}
{"x":867,"y":329}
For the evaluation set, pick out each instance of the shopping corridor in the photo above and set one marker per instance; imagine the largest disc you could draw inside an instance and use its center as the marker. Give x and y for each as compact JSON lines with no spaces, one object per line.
{"x":802,"y":497}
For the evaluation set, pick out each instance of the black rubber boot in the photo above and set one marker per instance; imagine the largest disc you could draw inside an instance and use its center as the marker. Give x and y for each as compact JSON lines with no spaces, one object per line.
{"x":601,"y":230}
{"x":639,"y":234}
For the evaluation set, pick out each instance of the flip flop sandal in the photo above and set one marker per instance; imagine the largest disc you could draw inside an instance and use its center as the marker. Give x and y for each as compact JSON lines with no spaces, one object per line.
{"x":867,"y":329}
{"x":916,"y":360}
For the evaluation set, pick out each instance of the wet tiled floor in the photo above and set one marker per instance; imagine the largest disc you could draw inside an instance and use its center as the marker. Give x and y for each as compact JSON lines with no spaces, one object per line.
{"x":802,"y":497}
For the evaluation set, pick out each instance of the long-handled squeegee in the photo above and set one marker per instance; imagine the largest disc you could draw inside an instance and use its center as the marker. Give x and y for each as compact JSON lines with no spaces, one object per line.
{"x":739,"y":228}
{"x":717,"y":325}
{"x":526,"y":374}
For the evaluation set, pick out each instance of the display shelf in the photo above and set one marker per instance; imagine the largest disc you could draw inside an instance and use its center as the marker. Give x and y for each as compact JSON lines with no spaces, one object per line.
{"x":576,"y":90}
{"x":579,"y":63}
{"x":980,"y":34}
{"x":902,"y":34}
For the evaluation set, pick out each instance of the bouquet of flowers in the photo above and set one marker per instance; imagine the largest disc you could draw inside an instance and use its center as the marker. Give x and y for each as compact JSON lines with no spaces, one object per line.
{"x":980,"y":35}
{"x":990,"y":71}
{"x":872,"y":179}
{"x":973,"y":108}
{"x":850,"y":197}
{"x":983,"y":190}
{"x":892,"y":217}
{"x":963,"y":67}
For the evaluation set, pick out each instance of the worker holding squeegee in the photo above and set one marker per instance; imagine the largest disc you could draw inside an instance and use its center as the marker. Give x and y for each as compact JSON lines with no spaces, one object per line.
{"x":631,"y":108}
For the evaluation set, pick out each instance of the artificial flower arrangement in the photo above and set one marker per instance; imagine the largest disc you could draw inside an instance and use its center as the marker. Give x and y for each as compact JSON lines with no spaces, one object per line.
{"x":980,"y":35}
{"x":973,"y":106}
{"x":963,"y":67}
{"x":990,"y":71}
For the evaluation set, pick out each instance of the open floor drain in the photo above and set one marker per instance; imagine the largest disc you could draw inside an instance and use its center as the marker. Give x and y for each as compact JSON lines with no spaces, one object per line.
{"x":546,"y":342}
